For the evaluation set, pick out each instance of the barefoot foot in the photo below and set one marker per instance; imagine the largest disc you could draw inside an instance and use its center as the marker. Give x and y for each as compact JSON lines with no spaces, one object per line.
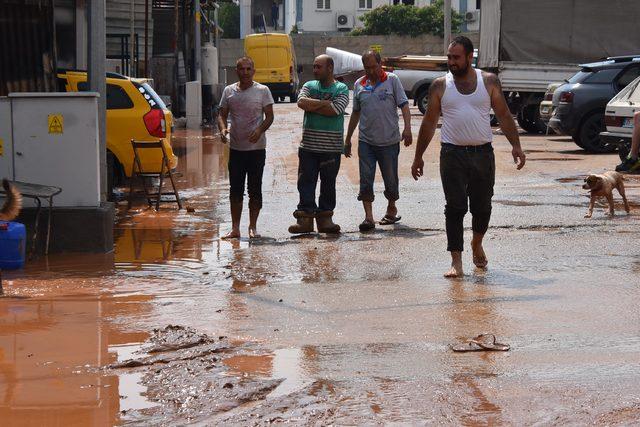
{"x":253,"y":233}
{"x":479,"y":257}
{"x":233,"y":234}
{"x":456,"y":265}
{"x":455,"y":271}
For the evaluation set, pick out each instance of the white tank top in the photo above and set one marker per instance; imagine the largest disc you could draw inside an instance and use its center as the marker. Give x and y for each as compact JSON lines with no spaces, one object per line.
{"x":465,"y":118}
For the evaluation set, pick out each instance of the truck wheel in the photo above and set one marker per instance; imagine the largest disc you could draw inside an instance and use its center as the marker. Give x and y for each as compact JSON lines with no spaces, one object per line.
{"x":423,"y":100}
{"x":529,"y":119}
{"x":589,"y":134}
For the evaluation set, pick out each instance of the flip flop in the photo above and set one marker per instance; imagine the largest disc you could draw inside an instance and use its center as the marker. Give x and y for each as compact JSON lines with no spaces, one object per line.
{"x":388,"y":220}
{"x":367,"y":225}
{"x":468,"y":346}
{"x":483,"y":342}
{"x":488,"y":342}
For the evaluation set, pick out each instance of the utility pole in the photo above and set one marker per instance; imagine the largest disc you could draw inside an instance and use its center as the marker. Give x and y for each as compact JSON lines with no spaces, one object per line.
{"x":98,"y":80}
{"x":132,"y":35}
{"x":447,"y":25}
{"x":197,"y":45}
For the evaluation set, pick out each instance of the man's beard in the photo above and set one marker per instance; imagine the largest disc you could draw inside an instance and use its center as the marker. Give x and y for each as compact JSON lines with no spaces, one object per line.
{"x":460,"y":71}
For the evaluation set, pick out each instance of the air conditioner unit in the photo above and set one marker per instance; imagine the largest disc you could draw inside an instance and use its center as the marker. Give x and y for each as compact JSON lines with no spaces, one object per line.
{"x":472,"y":16}
{"x":344,"y":21}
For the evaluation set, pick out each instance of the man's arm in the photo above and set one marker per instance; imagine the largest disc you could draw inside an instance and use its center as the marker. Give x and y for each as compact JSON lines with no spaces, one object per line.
{"x":223,"y":114}
{"x":403,"y":104}
{"x":317,"y":106}
{"x":428,"y":126}
{"x":507,"y":124}
{"x":266,"y":123}
{"x":406,"y":132}
{"x":353,"y":123}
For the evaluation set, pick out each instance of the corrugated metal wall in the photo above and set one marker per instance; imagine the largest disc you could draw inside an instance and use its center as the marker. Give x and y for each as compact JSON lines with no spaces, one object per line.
{"x":119,"y":22}
{"x":27,"y":53}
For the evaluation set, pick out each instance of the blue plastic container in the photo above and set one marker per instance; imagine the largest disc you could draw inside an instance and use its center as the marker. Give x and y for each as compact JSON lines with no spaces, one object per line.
{"x":13,"y":237}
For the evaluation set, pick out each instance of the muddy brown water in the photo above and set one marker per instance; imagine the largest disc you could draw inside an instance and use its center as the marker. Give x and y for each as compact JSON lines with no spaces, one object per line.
{"x":334,"y":330}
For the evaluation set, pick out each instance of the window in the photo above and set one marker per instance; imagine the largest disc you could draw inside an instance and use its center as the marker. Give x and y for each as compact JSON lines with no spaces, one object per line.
{"x":365,"y":4}
{"x":627,"y":76}
{"x":117,"y":98}
{"x":323,"y":4}
{"x":606,"y":76}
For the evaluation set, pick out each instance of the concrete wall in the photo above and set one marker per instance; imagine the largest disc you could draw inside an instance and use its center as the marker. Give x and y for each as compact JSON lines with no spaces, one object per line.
{"x":309,"y":46}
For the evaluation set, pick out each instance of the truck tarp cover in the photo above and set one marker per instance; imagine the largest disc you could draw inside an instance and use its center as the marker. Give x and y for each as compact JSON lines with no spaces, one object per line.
{"x":569,"y":31}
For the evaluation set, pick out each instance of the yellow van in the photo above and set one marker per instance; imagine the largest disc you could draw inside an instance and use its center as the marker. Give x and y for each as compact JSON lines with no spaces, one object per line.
{"x":275,"y":61}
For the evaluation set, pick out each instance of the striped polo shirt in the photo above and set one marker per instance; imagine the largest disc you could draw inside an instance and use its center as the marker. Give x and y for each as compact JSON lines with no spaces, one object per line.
{"x":323,"y":133}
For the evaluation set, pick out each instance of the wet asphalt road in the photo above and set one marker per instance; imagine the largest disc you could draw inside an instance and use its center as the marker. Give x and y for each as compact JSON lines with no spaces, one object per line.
{"x":356,"y":326}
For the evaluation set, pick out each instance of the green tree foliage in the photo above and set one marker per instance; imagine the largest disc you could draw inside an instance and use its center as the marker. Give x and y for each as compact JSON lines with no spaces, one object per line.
{"x":229,"y":17}
{"x":406,"y":20}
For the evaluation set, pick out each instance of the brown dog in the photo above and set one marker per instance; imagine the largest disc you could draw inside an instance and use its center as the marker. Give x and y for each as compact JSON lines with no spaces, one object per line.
{"x":602,"y":186}
{"x":12,"y":205}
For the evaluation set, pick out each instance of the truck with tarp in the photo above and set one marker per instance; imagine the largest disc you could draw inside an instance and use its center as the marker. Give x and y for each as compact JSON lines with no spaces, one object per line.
{"x":531,"y":44}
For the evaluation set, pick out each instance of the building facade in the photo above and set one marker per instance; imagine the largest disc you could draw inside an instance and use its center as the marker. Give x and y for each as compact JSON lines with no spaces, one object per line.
{"x":334,"y":16}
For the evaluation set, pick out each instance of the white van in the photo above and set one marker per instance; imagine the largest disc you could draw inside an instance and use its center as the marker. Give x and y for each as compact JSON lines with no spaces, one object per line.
{"x":618,"y":117}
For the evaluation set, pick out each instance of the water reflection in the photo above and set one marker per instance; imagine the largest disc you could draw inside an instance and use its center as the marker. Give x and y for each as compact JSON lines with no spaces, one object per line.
{"x":82,"y":314}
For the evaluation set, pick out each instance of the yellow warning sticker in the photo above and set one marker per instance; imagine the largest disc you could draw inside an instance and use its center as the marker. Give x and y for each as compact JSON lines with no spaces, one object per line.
{"x":1,"y":147}
{"x":56,"y":123}
{"x":376,"y":48}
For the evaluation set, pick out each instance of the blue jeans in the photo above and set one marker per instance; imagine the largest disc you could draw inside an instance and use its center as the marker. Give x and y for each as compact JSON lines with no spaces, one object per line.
{"x":311,"y":165}
{"x":387,"y":157}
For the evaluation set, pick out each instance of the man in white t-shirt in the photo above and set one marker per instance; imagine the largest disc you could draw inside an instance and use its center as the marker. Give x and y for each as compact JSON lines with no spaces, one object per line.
{"x":250,"y":106}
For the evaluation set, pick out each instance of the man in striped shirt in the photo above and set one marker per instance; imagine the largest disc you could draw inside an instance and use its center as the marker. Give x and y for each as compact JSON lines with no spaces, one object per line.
{"x":324,"y":101}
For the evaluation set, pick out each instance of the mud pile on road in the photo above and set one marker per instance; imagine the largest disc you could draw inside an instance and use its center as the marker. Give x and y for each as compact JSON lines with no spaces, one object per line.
{"x":187,"y":381}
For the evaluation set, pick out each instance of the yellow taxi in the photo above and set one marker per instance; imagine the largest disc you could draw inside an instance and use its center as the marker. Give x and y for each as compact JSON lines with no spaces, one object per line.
{"x":134,"y":111}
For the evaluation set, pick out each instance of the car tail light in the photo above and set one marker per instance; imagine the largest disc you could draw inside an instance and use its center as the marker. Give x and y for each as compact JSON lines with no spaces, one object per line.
{"x":614,"y":121}
{"x":155,"y":123}
{"x":548,"y":96}
{"x":566,"y":97}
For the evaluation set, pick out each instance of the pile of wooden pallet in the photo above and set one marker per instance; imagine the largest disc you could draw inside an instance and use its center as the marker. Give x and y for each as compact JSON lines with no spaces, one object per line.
{"x":411,"y":62}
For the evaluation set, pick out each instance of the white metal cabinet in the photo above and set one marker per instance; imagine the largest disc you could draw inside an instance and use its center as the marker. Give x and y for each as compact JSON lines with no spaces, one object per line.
{"x":6,"y":140}
{"x":55,"y":142}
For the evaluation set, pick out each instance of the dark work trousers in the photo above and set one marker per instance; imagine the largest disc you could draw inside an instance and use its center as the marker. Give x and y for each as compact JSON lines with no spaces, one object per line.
{"x":312,"y":164}
{"x":246,"y":165}
{"x":467,"y":173}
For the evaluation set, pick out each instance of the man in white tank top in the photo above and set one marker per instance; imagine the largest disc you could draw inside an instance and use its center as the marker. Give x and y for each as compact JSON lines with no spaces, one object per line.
{"x":465,"y":96}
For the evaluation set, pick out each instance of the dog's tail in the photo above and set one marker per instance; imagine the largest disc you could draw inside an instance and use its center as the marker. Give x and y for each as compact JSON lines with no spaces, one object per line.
{"x":13,"y":204}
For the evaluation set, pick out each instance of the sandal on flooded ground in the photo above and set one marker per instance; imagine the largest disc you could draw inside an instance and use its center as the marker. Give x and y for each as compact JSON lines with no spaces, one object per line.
{"x":388,"y":220}
{"x":367,"y":225}
{"x":483,"y":342}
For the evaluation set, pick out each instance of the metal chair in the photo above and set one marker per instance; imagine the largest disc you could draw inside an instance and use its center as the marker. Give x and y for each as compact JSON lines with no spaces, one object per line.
{"x":165,"y":172}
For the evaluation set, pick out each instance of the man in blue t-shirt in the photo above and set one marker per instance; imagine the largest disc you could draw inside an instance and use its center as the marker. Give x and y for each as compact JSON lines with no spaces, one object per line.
{"x":376,"y":99}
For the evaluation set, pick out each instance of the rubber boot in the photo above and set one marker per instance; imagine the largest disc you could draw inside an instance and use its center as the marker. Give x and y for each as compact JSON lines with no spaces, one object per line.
{"x":304,"y":223}
{"x":325,"y":223}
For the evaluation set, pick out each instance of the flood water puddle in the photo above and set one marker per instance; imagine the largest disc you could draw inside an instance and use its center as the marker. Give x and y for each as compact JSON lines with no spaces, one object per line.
{"x":283,"y":363}
{"x":132,"y":392}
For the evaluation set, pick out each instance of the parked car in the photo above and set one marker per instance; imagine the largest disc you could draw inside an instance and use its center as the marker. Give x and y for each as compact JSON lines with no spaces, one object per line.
{"x":618,"y":118}
{"x":546,"y":106}
{"x":580,"y":103}
{"x":275,"y":61}
{"x":134,"y":111}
